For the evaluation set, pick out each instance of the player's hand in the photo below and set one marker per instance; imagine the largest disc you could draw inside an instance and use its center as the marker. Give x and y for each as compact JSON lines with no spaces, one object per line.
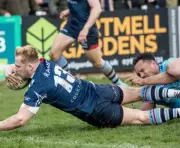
{"x":83,"y":35}
{"x":134,"y":79}
{"x":64,"y":14}
{"x":9,"y":71}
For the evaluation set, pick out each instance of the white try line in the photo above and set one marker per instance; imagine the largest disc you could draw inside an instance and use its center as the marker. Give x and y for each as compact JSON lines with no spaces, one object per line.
{"x":74,"y":143}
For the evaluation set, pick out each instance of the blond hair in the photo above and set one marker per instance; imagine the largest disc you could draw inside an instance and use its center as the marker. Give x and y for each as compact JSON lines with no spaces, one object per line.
{"x":28,"y":53}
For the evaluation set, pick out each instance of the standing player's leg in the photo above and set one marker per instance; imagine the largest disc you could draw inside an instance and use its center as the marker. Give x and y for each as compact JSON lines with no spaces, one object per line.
{"x":95,"y":57}
{"x":94,"y":54}
{"x":61,"y":43}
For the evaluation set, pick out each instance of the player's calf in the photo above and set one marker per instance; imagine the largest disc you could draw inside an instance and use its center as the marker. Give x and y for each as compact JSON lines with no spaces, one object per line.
{"x":134,"y":117}
{"x":154,"y":116}
{"x":110,"y":73}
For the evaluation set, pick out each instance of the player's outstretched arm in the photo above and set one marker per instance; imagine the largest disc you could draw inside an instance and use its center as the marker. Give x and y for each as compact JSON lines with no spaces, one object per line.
{"x":17,"y":120}
{"x":173,"y":68}
{"x":161,"y":78}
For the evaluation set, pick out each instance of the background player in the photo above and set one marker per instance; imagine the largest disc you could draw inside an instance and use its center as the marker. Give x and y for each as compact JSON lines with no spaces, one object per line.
{"x":81,"y":27}
{"x":150,"y":72}
{"x":98,"y":105}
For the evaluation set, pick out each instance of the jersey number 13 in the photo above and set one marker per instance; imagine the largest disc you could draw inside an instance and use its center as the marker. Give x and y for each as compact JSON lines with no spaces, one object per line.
{"x":63,"y":78}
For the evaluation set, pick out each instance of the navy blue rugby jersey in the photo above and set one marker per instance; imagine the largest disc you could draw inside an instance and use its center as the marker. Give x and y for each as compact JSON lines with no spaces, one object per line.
{"x":79,"y":11}
{"x":52,"y":85}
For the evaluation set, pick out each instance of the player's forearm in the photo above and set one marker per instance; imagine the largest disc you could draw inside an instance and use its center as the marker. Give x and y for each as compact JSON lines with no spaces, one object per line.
{"x":162,"y":78}
{"x":11,"y":123}
{"x":94,"y":15}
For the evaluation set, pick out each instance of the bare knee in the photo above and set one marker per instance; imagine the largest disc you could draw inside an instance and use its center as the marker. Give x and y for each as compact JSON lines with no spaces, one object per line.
{"x":54,"y":56}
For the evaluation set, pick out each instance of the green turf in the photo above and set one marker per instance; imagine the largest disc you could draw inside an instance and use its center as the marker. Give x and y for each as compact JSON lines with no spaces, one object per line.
{"x":52,"y":128}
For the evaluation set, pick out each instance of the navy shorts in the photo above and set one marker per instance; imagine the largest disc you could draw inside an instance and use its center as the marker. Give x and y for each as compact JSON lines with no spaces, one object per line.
{"x":72,"y":29}
{"x":107,"y":112}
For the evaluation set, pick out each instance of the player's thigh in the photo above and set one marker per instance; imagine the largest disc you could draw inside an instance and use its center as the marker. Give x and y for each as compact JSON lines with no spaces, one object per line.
{"x":130,"y":94}
{"x":62,"y":42}
{"x":95,"y":56}
{"x":92,"y":49}
{"x":134,"y":116}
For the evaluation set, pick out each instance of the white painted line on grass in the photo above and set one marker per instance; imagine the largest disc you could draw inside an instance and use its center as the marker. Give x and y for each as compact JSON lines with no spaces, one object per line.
{"x":75,"y":143}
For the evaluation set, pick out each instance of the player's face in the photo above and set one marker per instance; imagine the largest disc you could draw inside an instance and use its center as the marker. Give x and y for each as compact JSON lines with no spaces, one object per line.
{"x":22,"y":68}
{"x":146,"y":69}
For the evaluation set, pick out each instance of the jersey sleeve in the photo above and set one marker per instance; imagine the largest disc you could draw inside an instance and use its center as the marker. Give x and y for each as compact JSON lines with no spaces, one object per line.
{"x":163,"y":65}
{"x":35,"y":96}
{"x":33,"y":110}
